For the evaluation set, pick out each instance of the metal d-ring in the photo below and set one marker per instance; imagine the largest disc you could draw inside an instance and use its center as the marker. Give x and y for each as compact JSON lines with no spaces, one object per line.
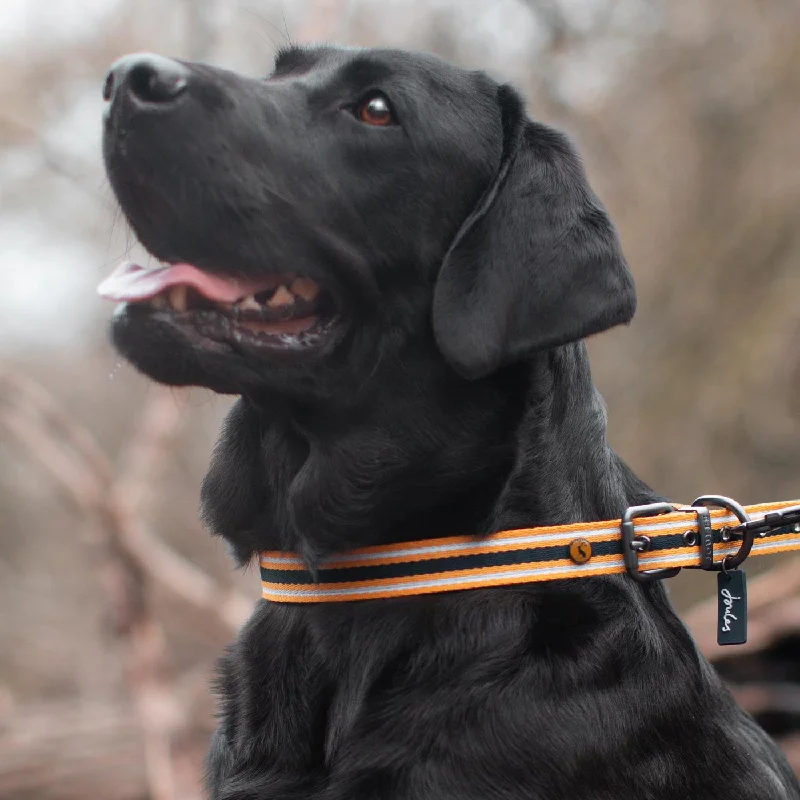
{"x":729,"y":562}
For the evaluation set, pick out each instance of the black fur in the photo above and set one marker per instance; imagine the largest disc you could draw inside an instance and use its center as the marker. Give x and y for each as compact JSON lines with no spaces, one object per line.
{"x":469,"y":258}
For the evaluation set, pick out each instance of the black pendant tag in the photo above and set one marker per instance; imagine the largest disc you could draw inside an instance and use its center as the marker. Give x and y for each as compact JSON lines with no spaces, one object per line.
{"x":732,"y":607}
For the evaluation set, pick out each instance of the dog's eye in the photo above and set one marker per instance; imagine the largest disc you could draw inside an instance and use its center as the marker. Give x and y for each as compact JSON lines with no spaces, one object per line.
{"x":375,"y":110}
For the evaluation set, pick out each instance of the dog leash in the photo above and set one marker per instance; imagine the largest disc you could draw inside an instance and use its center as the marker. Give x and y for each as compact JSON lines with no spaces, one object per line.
{"x":649,"y":542}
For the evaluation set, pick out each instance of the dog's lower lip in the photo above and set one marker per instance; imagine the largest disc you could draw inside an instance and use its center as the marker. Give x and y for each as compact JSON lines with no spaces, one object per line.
{"x":213,"y":329}
{"x":289,"y":326}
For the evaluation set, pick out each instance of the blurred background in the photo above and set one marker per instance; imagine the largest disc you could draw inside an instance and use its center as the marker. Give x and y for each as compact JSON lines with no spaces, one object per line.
{"x":113,"y":601}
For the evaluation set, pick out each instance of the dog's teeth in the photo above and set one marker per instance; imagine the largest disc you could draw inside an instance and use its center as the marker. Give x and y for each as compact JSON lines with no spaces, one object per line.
{"x":177,"y":297}
{"x":305,"y":288}
{"x":282,"y":297}
{"x":248,"y":302}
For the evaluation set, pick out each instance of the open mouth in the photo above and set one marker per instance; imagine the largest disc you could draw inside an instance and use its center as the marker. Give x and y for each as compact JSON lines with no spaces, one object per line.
{"x":278,"y":311}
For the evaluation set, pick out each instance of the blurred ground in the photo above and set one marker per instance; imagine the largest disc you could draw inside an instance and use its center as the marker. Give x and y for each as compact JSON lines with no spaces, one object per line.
{"x":687,"y":116}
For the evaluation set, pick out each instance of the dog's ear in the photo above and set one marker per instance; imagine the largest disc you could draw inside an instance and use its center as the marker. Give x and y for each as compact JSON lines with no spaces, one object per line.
{"x":538,"y":262}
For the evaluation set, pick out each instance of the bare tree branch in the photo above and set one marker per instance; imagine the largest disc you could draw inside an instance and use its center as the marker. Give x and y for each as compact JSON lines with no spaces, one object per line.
{"x":89,"y":483}
{"x":135,"y":557}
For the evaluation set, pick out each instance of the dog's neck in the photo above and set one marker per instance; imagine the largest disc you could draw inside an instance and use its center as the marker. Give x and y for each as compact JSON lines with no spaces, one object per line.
{"x":422,"y":458}
{"x":565,"y":470}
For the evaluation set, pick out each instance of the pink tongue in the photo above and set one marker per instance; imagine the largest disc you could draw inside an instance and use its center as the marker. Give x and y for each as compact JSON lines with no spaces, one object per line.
{"x":131,"y":282}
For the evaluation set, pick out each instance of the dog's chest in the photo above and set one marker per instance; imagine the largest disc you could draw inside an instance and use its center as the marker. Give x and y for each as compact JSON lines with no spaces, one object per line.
{"x":408,"y":707}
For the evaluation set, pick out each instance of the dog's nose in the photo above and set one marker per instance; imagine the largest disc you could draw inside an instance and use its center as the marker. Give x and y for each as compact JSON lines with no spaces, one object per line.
{"x":146,"y":79}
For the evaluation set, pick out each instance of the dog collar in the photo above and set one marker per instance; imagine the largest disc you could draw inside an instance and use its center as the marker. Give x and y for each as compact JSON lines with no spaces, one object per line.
{"x":649,"y":542}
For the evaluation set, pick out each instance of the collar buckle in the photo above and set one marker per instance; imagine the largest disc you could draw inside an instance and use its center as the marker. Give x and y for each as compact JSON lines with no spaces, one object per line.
{"x":633,"y":544}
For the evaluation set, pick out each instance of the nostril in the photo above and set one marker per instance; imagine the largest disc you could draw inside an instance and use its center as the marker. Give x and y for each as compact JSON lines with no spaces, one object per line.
{"x":108,"y":86}
{"x":156,"y":83}
{"x":146,"y":78}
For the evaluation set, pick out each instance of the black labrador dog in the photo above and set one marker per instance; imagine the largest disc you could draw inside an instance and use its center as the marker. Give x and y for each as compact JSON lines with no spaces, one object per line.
{"x":394,"y":267}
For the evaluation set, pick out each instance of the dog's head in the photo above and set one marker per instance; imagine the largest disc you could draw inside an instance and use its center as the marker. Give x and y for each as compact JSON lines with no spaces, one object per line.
{"x":354,"y":205}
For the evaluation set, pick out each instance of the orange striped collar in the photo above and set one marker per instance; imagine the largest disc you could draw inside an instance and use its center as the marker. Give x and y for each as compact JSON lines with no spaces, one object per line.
{"x":667,"y":541}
